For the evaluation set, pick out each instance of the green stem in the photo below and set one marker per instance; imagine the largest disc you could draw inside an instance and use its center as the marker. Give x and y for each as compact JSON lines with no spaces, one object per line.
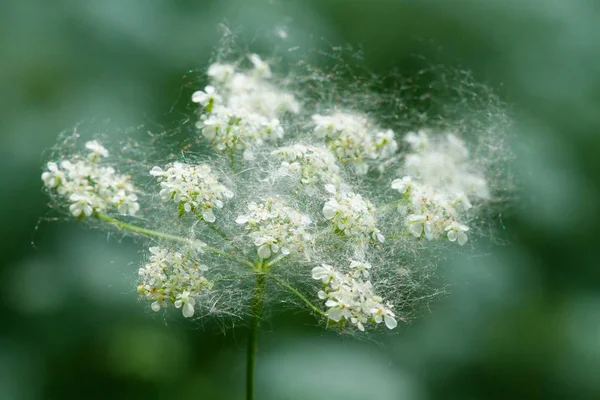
{"x":232,"y":159}
{"x":217,"y":231}
{"x":257,"y":306}
{"x":276,"y":260}
{"x":397,"y":235}
{"x":310,"y":305}
{"x":173,"y":238}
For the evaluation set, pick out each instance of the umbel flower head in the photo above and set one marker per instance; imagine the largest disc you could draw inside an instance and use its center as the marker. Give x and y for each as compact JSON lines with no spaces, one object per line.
{"x":89,"y":186}
{"x":302,"y":203}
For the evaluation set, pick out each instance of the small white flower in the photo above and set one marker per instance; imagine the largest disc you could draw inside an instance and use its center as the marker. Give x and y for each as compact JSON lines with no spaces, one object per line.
{"x":312,"y":165}
{"x":171,"y":275}
{"x":155,"y":306}
{"x":126,"y":203}
{"x":96,"y":150}
{"x":351,"y":214}
{"x":260,"y":67}
{"x":456,"y":231}
{"x":206,"y":97}
{"x":382,"y":313}
{"x":246,"y":112}
{"x":82,"y":205}
{"x":53,"y":177}
{"x":193,"y":187}
{"x":419,"y":224}
{"x":354,"y":139}
{"x":349,"y":298}
{"x":325,"y":273}
{"x":330,"y":209}
{"x":362,"y":268}
{"x":221,"y":72}
{"x":275,"y":227}
{"x":89,"y":186}
{"x":402,"y":185}
{"x":187,"y":302}
{"x":415,"y":224}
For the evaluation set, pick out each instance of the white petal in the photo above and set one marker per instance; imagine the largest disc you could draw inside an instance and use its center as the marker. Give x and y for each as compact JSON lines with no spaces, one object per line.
{"x":155,"y":306}
{"x":416,"y":228}
{"x":390,"y":322}
{"x":329,"y":209}
{"x":462,"y":238}
{"x":429,"y":233}
{"x":198,"y":96}
{"x":208,"y":216}
{"x":331,"y":303}
{"x":264,"y":251}
{"x":317,"y":273}
{"x":334,"y":314}
{"x":87,"y":210}
{"x":330,"y":188}
{"x":452,"y":236}
{"x":188,"y":310}
{"x":156,"y":171}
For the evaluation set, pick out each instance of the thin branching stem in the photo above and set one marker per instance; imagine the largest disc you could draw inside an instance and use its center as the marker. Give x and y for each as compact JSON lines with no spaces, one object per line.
{"x":219,"y":232}
{"x":276,"y":260}
{"x":292,"y":289}
{"x":173,"y":238}
{"x":397,"y":235}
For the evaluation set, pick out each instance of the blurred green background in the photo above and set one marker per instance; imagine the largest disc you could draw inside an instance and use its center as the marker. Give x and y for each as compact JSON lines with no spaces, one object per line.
{"x":522,"y":322}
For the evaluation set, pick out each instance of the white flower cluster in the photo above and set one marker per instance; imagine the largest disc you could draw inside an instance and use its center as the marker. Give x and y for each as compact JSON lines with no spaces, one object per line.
{"x":241,"y":110}
{"x":193,"y":187}
{"x":350,"y":296}
{"x":354,"y":139}
{"x":440,"y":188}
{"x":276,"y":228}
{"x":312,"y":165}
{"x":171,"y":276}
{"x":351,"y":214}
{"x":89,"y":186}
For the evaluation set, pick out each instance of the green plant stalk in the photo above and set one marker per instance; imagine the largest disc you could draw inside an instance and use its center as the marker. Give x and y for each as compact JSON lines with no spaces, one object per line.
{"x":160,"y":235}
{"x":289,"y":287}
{"x":256,"y":312}
{"x":397,"y":235}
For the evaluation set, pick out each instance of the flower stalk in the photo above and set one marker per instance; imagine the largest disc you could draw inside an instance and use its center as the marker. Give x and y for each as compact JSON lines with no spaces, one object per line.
{"x":256,"y":312}
{"x":173,"y":238}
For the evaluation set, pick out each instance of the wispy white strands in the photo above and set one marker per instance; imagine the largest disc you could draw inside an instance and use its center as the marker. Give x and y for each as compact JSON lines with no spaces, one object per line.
{"x":172,"y":277}
{"x":276,"y":228}
{"x":441,"y":189}
{"x":354,"y":139}
{"x":351,"y":215}
{"x":293,"y":205}
{"x":241,"y":110}
{"x":194,"y":188}
{"x":350,"y":296}
{"x":444,"y":163}
{"x":312,"y":165}
{"x":89,"y":186}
